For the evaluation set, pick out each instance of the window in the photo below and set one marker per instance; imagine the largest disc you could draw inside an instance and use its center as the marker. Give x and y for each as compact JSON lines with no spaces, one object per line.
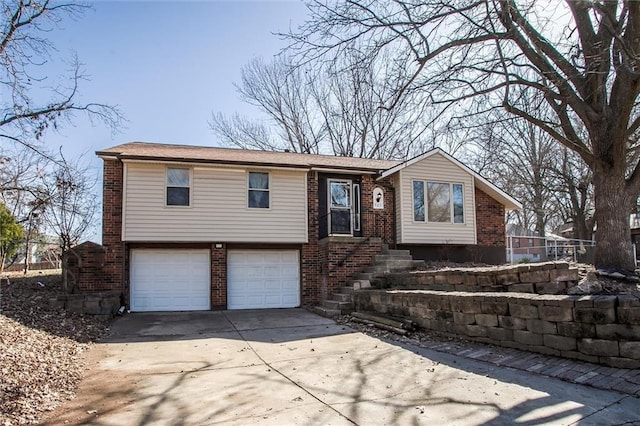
{"x":458,"y":203}
{"x":340,"y":207}
{"x":441,"y":202}
{"x":258,"y":190}
{"x":438,"y":202}
{"x":356,"y":207}
{"x":178,"y":182}
{"x":418,"y":201}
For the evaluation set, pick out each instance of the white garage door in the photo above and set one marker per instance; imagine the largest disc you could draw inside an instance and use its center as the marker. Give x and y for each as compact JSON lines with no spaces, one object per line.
{"x":170,"y":280}
{"x":263,"y":279}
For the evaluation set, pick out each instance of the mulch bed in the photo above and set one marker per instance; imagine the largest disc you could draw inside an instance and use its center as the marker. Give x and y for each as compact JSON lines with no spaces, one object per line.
{"x":40,"y":348}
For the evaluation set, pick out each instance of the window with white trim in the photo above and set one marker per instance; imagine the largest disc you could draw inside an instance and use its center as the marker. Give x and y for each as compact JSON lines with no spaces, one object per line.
{"x":439,"y":202}
{"x":258,"y":187}
{"x":178,"y":186}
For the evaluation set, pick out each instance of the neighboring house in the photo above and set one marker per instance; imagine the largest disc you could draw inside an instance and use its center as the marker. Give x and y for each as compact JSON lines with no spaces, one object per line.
{"x":524,"y":244}
{"x":565,"y":230}
{"x":197,"y":228}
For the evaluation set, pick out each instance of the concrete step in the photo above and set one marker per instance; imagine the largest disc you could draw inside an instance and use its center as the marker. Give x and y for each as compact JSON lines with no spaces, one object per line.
{"x":343,"y":307}
{"x":341,"y":297}
{"x":398,"y":263}
{"x":376,"y":269}
{"x":362,"y":276}
{"x":359,"y":284}
{"x":326,"y":312}
{"x":397,"y":253}
{"x":346,"y":289}
{"x":385,"y":257}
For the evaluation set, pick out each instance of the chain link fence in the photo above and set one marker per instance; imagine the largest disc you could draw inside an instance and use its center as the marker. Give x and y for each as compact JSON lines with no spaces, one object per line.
{"x":527,"y":249}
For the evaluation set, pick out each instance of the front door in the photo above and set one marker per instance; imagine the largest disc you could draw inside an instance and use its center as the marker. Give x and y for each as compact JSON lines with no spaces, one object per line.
{"x":344,"y":217}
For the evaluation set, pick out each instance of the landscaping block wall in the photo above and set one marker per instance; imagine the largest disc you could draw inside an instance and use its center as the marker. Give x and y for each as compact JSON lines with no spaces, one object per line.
{"x":539,"y":278}
{"x":104,"y":304}
{"x":599,"y":329}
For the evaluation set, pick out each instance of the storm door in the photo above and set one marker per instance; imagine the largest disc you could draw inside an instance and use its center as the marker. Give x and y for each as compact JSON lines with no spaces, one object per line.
{"x":340,"y":203}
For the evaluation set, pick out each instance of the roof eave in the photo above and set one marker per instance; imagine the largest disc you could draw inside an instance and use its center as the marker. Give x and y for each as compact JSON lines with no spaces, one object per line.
{"x":149,"y":158}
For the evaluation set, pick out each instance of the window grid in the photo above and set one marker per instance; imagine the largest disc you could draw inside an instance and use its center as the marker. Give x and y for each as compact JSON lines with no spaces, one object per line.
{"x":258,"y":195}
{"x":421,"y":201}
{"x":178,"y":187}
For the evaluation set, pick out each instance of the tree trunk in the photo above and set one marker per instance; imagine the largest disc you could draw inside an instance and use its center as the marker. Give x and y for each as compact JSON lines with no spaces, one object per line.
{"x":613,"y":235}
{"x":581,"y":230}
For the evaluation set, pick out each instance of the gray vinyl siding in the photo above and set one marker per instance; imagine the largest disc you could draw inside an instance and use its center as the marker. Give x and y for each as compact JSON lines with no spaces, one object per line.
{"x":435,"y":168}
{"x":218,"y":209}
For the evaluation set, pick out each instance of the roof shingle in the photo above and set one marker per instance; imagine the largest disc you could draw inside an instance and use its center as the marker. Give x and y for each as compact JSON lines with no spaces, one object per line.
{"x":188,"y":153}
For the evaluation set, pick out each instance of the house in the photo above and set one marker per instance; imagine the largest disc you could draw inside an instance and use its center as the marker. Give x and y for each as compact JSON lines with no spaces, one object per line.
{"x":198,"y":228}
{"x":525,"y":245}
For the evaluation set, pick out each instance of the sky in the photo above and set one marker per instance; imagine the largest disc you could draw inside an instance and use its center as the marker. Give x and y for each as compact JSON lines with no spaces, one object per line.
{"x":166,"y":65}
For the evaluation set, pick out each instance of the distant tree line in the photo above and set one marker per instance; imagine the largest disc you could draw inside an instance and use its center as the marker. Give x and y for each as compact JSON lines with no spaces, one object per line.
{"x":541,"y":97}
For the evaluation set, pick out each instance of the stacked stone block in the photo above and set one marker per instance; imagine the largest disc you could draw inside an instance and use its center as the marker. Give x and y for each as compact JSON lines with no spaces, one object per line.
{"x":599,"y":329}
{"x":102,"y":304}
{"x":539,"y":278}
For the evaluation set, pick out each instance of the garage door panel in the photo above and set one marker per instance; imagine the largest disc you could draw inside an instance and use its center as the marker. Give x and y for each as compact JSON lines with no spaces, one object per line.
{"x":170,"y":280}
{"x":263,"y":279}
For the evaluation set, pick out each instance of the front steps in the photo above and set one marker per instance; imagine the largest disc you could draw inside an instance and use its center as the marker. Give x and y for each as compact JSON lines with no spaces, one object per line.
{"x":339,"y":304}
{"x":387,"y":261}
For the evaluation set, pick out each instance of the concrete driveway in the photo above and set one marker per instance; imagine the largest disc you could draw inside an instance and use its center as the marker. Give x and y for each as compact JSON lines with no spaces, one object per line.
{"x":290,"y":366}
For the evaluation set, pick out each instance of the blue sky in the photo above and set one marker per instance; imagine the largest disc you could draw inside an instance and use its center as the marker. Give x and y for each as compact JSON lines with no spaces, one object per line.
{"x":167,"y":65}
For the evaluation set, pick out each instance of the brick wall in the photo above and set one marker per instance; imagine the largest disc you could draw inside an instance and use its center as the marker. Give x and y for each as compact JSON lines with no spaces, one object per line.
{"x":113,"y":273}
{"x":343,"y":257}
{"x":84,"y":267}
{"x":339,"y":258}
{"x":218,"y":277}
{"x":490,"y":226}
{"x":378,"y":223}
{"x":309,"y":253}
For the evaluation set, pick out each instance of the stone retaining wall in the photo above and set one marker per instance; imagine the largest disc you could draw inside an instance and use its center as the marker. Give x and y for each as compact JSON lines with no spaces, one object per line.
{"x":104,"y":304}
{"x":539,"y":278}
{"x":599,"y":329}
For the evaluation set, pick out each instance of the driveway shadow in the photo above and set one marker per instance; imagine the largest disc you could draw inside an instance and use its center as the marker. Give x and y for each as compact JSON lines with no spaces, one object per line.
{"x":269,"y":325}
{"x":293,"y":367}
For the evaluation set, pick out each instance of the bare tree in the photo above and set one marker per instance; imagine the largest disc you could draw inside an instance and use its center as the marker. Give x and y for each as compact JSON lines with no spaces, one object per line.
{"x":338,"y":108}
{"x":581,"y":57}
{"x":521,"y":157}
{"x":285,"y":96}
{"x":574,"y":193}
{"x":24,"y":51}
{"x":71,"y":207}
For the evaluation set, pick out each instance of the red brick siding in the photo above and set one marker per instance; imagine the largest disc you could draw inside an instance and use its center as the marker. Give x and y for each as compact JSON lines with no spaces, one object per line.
{"x":343,"y":257}
{"x":490,"y":226}
{"x":84,"y":273}
{"x":113,"y":271}
{"x":378,"y":223}
{"x":309,"y":254}
{"x":218,"y":277}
